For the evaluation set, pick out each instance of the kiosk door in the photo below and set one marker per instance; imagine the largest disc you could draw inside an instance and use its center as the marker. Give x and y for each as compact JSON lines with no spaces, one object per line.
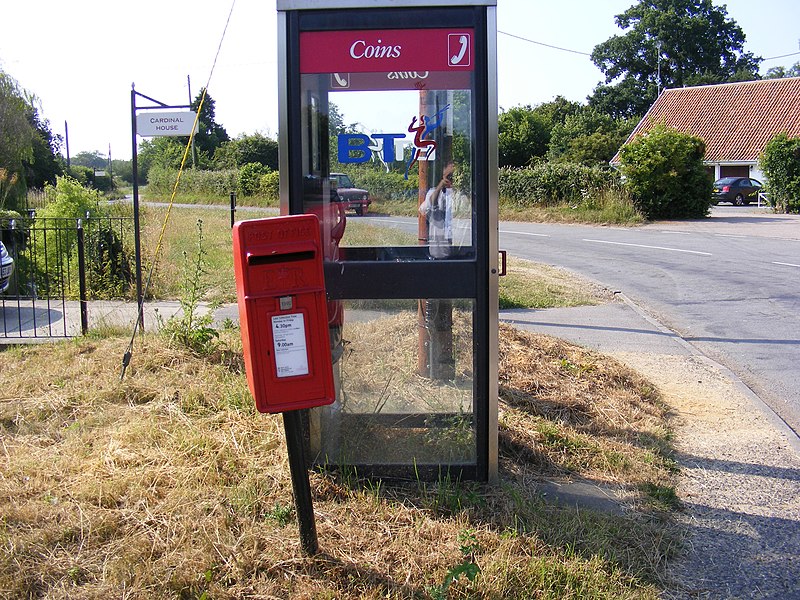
{"x":386,"y":137}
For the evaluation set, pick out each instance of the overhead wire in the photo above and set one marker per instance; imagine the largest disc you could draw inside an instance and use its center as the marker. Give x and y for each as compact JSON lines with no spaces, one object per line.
{"x":781,"y":56}
{"x":129,"y":351}
{"x":524,"y":39}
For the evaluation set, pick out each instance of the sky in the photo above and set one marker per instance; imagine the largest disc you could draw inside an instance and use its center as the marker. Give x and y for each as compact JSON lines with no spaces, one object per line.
{"x":80,"y":58}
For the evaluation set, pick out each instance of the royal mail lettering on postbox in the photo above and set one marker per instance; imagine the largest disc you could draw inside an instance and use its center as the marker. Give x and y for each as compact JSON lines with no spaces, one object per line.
{"x":280,"y":288}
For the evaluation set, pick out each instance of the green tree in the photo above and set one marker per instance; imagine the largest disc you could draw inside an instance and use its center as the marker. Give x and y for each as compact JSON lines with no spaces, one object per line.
{"x":16,"y":140}
{"x":781,"y":72}
{"x":588,"y":136}
{"x":522,"y":136}
{"x":255,"y":148}
{"x":210,"y":134}
{"x":664,"y":172}
{"x":556,"y":110}
{"x":689,"y":42}
{"x":123,"y":169}
{"x":93,"y":160}
{"x":45,"y":163}
{"x":780,"y":162}
{"x":166,"y":152}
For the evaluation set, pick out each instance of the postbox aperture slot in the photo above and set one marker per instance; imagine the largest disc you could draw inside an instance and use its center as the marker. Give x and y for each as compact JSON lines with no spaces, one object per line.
{"x":254,"y":260}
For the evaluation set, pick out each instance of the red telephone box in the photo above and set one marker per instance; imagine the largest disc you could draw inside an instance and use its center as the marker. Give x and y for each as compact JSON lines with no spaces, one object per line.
{"x":280,"y":288}
{"x":413,"y":285}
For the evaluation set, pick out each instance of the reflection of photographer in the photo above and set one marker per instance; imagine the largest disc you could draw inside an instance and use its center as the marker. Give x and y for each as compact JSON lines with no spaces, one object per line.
{"x":442,"y":208}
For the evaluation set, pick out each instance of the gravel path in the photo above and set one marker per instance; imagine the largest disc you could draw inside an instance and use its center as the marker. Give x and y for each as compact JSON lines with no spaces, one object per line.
{"x":740,"y":483}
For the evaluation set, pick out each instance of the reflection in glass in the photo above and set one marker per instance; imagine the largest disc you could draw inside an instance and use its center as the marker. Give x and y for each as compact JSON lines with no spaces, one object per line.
{"x":380,"y":147}
{"x":403,"y":397}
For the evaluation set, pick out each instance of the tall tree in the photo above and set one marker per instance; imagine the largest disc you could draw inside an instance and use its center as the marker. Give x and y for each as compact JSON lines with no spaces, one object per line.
{"x":557,"y":110}
{"x":668,"y":43}
{"x":588,"y":136}
{"x":254,"y":148}
{"x":93,"y":160}
{"x":210,"y":134}
{"x":524,"y":131}
{"x":45,"y":163}
{"x":16,"y":140}
{"x":522,"y":136}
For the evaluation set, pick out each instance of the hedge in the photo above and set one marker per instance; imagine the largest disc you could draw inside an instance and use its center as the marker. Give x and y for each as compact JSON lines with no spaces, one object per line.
{"x":549,"y":184}
{"x":544,"y":184}
{"x":222,"y":183}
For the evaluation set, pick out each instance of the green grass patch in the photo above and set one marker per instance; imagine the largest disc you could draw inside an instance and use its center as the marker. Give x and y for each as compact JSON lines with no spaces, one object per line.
{"x":533,"y":285}
{"x":609,"y":206}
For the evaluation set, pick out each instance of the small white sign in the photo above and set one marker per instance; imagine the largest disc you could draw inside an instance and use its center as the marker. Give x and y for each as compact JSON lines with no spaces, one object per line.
{"x":289,"y":342}
{"x":159,"y":123}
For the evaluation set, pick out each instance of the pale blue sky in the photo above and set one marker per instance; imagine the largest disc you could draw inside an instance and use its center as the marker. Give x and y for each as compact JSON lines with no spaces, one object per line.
{"x":81,"y":57}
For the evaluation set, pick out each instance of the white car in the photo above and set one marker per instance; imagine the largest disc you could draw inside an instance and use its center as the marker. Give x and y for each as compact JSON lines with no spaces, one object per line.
{"x":6,"y":268}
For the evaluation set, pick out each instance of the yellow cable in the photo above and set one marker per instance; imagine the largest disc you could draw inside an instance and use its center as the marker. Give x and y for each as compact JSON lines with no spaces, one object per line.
{"x":127,"y":357}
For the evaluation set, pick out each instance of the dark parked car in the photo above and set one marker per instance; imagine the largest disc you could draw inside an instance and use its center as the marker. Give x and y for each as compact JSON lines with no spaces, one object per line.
{"x":6,"y":268}
{"x":350,"y":195}
{"x":736,"y":190}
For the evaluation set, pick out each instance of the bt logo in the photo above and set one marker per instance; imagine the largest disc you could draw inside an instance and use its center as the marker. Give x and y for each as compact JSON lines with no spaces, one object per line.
{"x":385,"y":147}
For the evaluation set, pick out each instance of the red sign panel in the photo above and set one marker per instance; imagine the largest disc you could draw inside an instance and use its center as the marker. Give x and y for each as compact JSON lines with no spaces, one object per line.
{"x":388,"y":50}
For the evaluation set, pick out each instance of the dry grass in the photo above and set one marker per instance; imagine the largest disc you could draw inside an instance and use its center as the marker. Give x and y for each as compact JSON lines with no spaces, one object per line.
{"x":581,"y":412}
{"x":169,"y":485}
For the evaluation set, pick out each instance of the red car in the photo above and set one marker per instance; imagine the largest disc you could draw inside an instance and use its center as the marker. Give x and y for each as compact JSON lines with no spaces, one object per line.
{"x":351,"y":196}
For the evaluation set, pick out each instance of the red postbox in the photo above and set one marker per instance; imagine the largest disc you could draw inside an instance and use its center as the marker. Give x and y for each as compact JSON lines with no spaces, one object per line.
{"x":283,"y":314}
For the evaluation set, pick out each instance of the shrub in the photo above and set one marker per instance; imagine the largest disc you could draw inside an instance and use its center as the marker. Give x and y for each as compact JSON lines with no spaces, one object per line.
{"x":269,"y":185}
{"x":781,"y":164}
{"x":250,"y":178}
{"x":221,"y":183}
{"x":69,"y":200}
{"x":664,"y":172}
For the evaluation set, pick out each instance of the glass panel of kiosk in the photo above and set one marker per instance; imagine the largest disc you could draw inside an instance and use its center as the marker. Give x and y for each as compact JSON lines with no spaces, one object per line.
{"x":390,"y":155}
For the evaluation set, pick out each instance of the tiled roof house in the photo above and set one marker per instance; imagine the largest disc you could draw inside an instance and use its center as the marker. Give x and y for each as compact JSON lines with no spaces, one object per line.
{"x":736,"y":120}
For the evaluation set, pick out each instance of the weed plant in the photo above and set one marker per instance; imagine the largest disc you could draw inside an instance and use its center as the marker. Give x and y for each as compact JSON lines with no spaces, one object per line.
{"x":190,"y":328}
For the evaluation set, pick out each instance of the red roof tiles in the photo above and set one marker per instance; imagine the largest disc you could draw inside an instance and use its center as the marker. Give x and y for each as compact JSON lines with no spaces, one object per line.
{"x":736,"y":120}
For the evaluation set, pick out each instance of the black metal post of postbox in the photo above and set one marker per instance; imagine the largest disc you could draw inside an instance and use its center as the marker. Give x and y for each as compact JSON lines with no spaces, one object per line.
{"x":293,"y":426}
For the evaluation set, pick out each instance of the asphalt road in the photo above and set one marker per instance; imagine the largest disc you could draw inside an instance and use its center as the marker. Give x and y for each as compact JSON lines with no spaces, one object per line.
{"x":728,"y":285}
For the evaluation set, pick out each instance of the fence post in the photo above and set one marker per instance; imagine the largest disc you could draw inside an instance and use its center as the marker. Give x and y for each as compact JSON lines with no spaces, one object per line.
{"x":233,"y":207}
{"x":82,"y":280}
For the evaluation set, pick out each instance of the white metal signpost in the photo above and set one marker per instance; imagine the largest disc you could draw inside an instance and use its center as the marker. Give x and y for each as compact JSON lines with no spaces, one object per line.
{"x":154,"y":121}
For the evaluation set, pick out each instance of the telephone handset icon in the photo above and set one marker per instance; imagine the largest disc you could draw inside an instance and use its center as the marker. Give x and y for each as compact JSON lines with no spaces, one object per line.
{"x":343,"y":82}
{"x":457,"y":58}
